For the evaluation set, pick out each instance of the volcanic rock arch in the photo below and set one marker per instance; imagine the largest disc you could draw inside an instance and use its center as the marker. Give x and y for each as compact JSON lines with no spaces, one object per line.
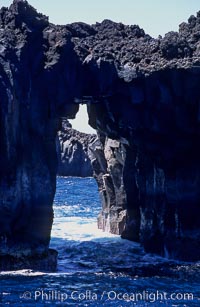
{"x":143,"y":99}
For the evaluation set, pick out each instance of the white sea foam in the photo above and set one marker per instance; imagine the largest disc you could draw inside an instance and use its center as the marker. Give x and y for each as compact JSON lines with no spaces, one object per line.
{"x":78,"y":229}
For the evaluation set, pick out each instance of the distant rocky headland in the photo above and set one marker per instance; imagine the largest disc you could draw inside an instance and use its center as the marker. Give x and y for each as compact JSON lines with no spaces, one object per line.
{"x":143,"y":98}
{"x":73,"y":151}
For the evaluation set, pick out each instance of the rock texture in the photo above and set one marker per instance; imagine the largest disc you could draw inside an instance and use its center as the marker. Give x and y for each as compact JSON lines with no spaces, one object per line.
{"x":107,"y":157}
{"x":143,"y":99}
{"x":47,"y":262}
{"x":72,"y":150}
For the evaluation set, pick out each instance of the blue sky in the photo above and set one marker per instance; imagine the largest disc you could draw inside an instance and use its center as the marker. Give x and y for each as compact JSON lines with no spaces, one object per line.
{"x":154,"y":16}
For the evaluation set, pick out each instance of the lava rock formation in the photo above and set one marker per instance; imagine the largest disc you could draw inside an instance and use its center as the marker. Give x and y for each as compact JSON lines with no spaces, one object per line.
{"x":143,"y":99}
{"x":73,"y":151}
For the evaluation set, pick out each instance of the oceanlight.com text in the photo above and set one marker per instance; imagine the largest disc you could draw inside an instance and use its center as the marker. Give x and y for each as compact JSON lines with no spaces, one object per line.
{"x":89,"y":295}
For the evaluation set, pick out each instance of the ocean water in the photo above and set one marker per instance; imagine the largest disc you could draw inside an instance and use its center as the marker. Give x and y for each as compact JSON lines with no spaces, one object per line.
{"x":97,"y":268}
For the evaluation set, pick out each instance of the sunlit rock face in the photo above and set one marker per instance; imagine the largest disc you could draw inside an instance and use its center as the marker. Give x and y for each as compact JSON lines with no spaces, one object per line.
{"x":72,"y":148}
{"x":143,"y":99}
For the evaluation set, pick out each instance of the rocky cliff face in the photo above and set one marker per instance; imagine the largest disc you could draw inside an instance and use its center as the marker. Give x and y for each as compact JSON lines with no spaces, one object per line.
{"x":143,"y":99}
{"x":108,"y":157}
{"x":160,"y":158}
{"x":72,"y":149}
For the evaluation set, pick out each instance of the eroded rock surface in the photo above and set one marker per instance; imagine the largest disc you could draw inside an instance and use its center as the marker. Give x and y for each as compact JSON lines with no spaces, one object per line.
{"x":72,"y":150}
{"x":143,"y":99}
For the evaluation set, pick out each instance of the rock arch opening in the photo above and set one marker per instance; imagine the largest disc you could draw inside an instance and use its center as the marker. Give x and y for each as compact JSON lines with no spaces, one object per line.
{"x":80,"y":122}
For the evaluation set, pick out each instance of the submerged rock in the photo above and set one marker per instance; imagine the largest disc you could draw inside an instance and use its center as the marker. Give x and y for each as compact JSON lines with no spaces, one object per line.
{"x":45,"y":262}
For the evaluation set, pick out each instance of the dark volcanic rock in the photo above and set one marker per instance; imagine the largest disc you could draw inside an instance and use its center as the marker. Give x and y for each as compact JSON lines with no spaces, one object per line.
{"x":107,"y":158}
{"x":45,"y":262}
{"x":72,"y":150}
{"x":143,"y":98}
